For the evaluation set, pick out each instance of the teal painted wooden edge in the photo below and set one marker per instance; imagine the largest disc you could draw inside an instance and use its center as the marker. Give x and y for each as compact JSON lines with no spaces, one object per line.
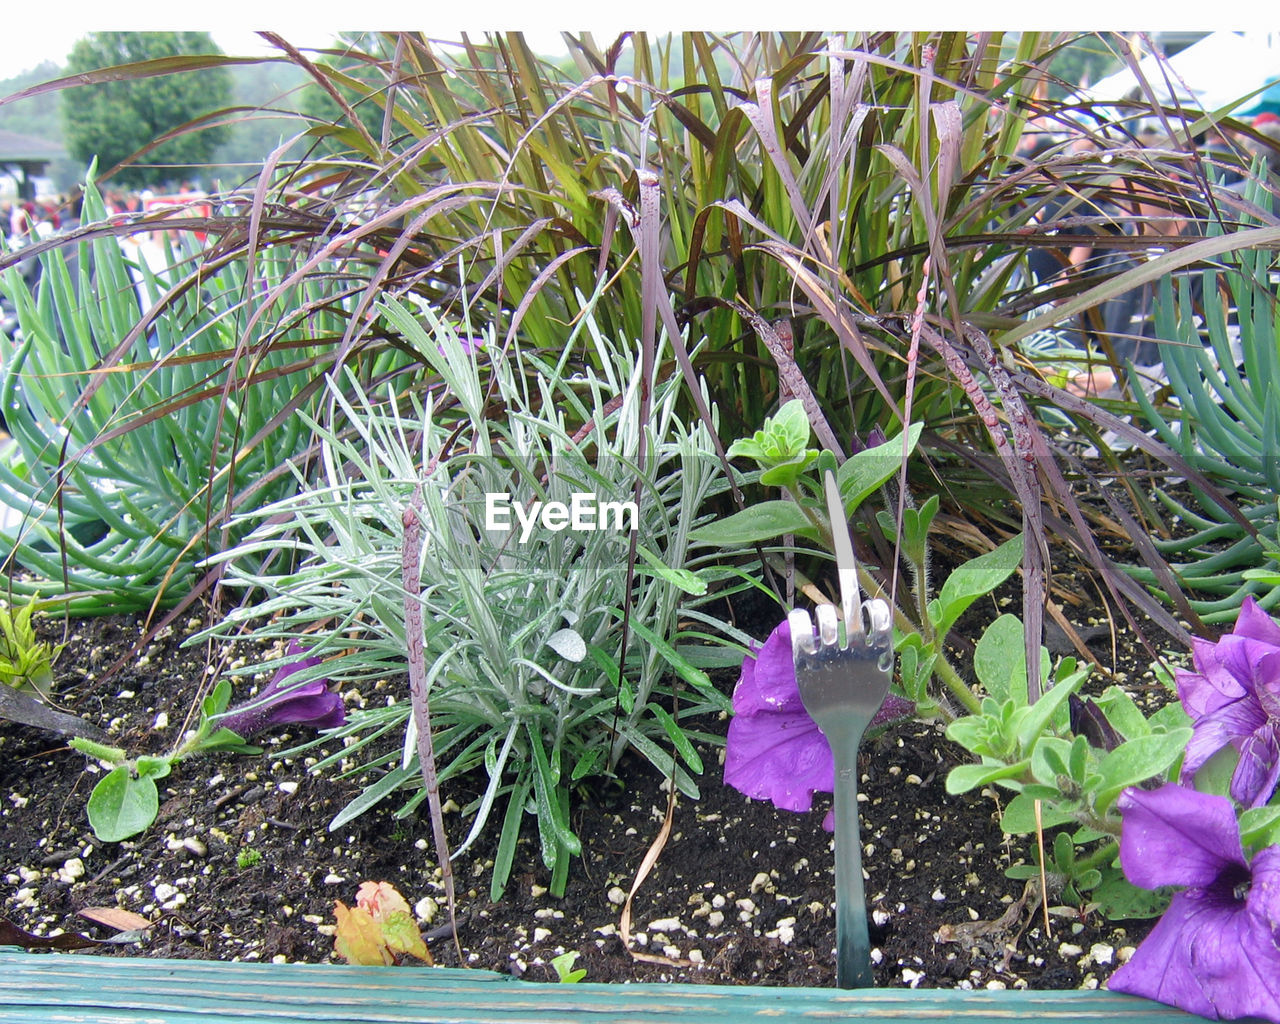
{"x":72,"y":988}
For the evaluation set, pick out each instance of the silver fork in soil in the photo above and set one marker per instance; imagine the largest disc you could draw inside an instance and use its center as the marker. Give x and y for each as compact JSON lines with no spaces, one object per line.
{"x":843,"y":681}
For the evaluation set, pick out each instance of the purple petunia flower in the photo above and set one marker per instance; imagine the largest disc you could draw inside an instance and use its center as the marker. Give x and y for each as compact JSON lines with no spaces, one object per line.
{"x":1216,"y":950}
{"x":1233,"y":696}
{"x":774,"y":750}
{"x":285,"y":703}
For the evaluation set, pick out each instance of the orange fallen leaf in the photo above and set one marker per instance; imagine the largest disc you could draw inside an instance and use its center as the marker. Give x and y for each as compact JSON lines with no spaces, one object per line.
{"x":115,"y":917}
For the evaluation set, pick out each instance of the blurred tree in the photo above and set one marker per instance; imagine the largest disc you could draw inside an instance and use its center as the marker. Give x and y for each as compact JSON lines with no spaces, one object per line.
{"x":363,"y":60}
{"x":262,"y":89}
{"x":1084,"y":62}
{"x":113,"y":120}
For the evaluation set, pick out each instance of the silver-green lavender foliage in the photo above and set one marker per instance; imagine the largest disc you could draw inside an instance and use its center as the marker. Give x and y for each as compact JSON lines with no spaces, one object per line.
{"x":523,"y":639}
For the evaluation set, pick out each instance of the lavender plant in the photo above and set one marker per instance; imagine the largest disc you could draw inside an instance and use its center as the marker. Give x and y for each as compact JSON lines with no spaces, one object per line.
{"x":545,"y":658}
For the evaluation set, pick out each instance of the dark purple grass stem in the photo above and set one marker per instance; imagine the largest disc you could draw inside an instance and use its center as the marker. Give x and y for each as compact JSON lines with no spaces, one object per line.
{"x":410,"y":555}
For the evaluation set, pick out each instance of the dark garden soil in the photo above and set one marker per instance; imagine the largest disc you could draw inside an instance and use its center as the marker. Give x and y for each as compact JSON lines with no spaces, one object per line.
{"x":241,"y":864}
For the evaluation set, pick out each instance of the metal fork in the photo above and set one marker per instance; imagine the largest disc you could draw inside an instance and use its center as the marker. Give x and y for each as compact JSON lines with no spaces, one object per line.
{"x":843,"y":680}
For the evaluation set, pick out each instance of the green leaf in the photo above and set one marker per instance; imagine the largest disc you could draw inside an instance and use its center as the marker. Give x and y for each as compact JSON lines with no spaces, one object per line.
{"x":1120,"y":900}
{"x":218,"y":699}
{"x":225,"y":739}
{"x":121,"y":806}
{"x":869,"y":470}
{"x":971,"y":776}
{"x":746,"y":447}
{"x":1171,"y":716}
{"x":586,"y":763}
{"x":1039,"y":714}
{"x":152,"y":767}
{"x":690,"y":673}
{"x":1260,"y":826}
{"x":1123,"y":713}
{"x":1064,"y":852}
{"x":678,"y":739}
{"x":401,"y":935}
{"x":1214,"y":776}
{"x":98,"y":751}
{"x":973,"y":732}
{"x":1000,"y":660}
{"x":790,"y":425}
{"x":682,"y":579}
{"x":975,"y":578}
{"x":761,"y":522}
{"x":563,"y":966}
{"x":1050,"y":758}
{"x":1137,"y":760}
{"x":784,"y":474}
{"x":1019,"y":818}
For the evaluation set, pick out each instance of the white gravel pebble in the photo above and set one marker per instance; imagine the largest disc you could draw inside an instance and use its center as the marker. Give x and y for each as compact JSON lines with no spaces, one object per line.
{"x":288,"y":788}
{"x":617,"y":896}
{"x":71,"y":870}
{"x":1069,"y":949}
{"x":665,"y":925}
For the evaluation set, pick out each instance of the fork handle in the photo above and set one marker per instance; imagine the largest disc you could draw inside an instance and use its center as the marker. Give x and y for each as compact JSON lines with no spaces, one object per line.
{"x":853,"y":944}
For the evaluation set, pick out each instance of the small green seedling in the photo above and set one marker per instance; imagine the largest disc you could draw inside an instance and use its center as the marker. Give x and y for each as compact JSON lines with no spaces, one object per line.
{"x":563,"y":965}
{"x":26,"y":663}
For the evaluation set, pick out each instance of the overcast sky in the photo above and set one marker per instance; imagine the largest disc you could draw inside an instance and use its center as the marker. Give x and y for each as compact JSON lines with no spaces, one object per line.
{"x":31,"y":33}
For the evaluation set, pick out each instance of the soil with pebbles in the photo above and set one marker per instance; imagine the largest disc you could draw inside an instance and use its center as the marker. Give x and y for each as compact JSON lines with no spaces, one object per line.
{"x":241,"y":863}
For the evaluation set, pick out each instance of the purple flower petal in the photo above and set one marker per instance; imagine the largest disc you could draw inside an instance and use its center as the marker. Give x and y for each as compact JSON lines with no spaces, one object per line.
{"x":1258,"y":770}
{"x":1267,"y":685}
{"x":1255,"y":624}
{"x":1216,"y":950}
{"x":782,"y":757}
{"x":774,"y":750}
{"x":1234,"y":697}
{"x":1214,"y":731}
{"x":768,"y":681}
{"x":1250,"y":662}
{"x":1207,"y":955}
{"x":1264,"y":892}
{"x":1176,"y":836}
{"x":1161,"y":967}
{"x":282,"y":702}
{"x":1211,"y":686}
